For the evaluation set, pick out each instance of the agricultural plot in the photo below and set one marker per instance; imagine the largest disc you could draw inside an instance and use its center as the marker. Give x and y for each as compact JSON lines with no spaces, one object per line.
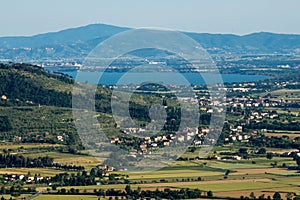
{"x":66,"y":197}
{"x":32,"y":171}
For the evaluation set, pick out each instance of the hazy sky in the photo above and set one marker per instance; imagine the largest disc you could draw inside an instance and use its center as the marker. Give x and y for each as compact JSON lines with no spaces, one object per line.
{"x":28,"y":17}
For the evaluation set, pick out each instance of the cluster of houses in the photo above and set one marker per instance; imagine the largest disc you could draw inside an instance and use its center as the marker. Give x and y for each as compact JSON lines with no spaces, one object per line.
{"x":235,"y":157}
{"x":244,"y":102}
{"x":237,"y":135}
{"x":237,"y":138}
{"x":190,"y":135}
{"x":24,"y":178}
{"x":259,"y":116}
{"x":105,"y":167}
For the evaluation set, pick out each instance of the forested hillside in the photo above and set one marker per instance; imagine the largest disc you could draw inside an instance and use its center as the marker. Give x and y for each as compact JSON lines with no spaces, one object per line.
{"x":23,"y":84}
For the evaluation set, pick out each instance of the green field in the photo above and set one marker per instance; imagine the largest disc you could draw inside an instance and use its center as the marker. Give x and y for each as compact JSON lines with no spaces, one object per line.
{"x":66,"y":197}
{"x":33,"y":171}
{"x":237,"y":186}
{"x":172,"y":174}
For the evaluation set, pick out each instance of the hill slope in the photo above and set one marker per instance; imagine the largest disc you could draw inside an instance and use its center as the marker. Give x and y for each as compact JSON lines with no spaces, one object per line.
{"x":35,"y":106}
{"x":23,"y":84}
{"x":73,"y":35}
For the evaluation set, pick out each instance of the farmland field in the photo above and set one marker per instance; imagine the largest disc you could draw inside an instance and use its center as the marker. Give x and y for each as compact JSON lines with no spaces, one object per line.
{"x":66,"y":197}
{"x":255,"y":175}
{"x":33,"y":171}
{"x":26,"y":146}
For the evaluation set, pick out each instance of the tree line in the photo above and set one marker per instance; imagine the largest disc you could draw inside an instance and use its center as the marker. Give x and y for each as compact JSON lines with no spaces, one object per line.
{"x":18,"y":161}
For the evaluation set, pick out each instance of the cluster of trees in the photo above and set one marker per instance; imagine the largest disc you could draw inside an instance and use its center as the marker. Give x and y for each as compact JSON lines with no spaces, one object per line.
{"x":84,"y":178}
{"x":165,"y":194}
{"x":297,"y":159}
{"x":275,"y":142}
{"x":130,"y":193}
{"x":275,"y":125}
{"x":276,"y":196}
{"x":16,"y":190}
{"x":5,"y":124}
{"x":9,"y":160}
{"x":65,"y":179}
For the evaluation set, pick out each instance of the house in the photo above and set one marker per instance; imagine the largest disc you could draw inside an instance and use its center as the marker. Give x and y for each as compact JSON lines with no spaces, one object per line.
{"x":166,"y":143}
{"x":239,"y":128}
{"x":205,"y":130}
{"x":133,"y":152}
{"x":273,"y":116}
{"x":189,"y":137}
{"x":234,"y":130}
{"x":21,"y":177}
{"x":147,"y":138}
{"x":210,"y":111}
{"x":240,"y":138}
{"x":30,"y":179}
{"x":110,"y":169}
{"x":214,"y":157}
{"x":38,"y":178}
{"x":115,"y":140}
{"x":245,"y":137}
{"x":157,"y":138}
{"x":105,"y":174}
{"x":154,"y":145}
{"x":236,"y":158}
{"x":60,"y":138}
{"x":102,"y":166}
{"x":143,"y":147}
{"x":17,"y":139}
{"x":180,"y":138}
{"x":3,"y":97}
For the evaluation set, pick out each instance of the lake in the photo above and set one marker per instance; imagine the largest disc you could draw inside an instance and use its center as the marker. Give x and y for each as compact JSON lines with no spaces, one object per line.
{"x":112,"y":78}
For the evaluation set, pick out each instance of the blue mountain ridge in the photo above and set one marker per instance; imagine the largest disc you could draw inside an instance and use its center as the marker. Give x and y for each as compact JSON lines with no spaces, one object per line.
{"x":78,"y":42}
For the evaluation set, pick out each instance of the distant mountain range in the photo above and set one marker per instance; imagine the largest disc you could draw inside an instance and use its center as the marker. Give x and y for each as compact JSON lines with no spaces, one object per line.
{"x":76,"y":43}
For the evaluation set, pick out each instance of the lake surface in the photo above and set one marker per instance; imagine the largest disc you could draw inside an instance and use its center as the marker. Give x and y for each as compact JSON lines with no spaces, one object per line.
{"x":122,"y":78}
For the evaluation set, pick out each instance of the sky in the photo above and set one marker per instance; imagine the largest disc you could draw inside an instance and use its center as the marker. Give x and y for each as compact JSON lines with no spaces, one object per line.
{"x":30,"y":17}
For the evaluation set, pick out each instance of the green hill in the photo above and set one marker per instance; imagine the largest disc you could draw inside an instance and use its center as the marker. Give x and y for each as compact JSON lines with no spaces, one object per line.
{"x":23,"y":84}
{"x":35,"y":106}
